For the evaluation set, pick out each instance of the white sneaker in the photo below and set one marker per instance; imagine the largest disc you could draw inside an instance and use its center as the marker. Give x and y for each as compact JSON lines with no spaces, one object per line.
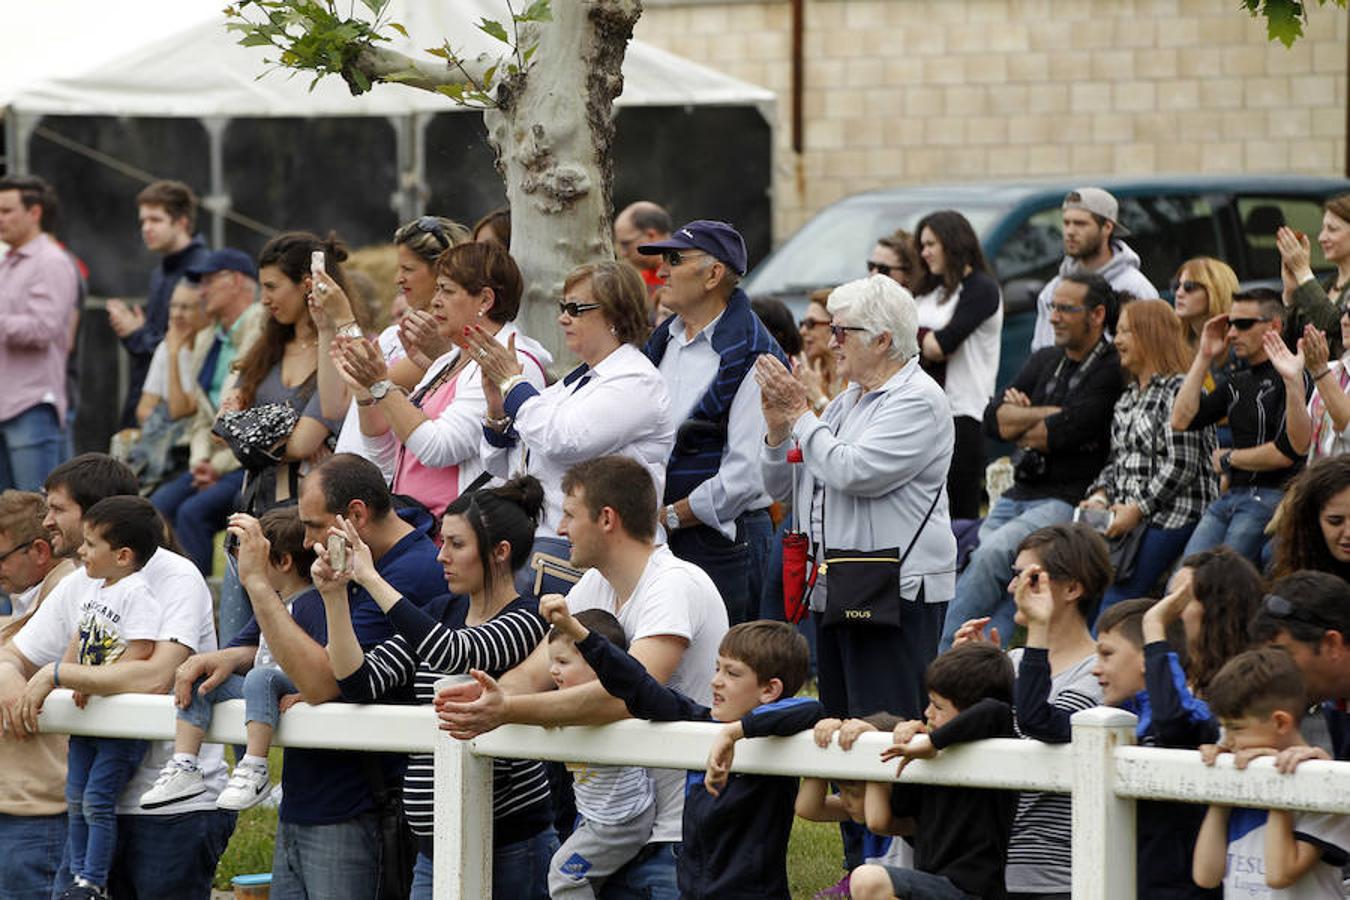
{"x":177,"y":781}
{"x":249,"y":785}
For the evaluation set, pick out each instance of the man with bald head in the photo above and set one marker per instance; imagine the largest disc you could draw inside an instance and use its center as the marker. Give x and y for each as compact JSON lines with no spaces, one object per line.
{"x":643,"y":222}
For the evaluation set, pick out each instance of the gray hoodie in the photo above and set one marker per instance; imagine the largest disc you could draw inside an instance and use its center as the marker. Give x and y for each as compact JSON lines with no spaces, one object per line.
{"x":1121,"y":270}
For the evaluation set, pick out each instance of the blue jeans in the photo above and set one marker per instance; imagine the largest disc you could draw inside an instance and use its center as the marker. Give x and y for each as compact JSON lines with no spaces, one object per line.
{"x":261,"y":688}
{"x":31,"y":445}
{"x":97,"y":770}
{"x":650,"y":876}
{"x":982,"y":589}
{"x":314,"y":862}
{"x":170,"y":856}
{"x":911,"y":884}
{"x":1157,"y":551}
{"x":198,"y":515}
{"x":31,"y":849}
{"x":233,"y":608}
{"x":1238,"y":519}
{"x":519,"y":870}
{"x":736,"y":567}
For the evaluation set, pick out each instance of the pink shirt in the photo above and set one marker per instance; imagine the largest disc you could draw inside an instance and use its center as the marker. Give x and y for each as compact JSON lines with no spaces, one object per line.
{"x":434,"y":487}
{"x":39,"y":288}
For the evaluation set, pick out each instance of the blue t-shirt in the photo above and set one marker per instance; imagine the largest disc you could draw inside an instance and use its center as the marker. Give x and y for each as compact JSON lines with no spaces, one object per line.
{"x":322,"y":787}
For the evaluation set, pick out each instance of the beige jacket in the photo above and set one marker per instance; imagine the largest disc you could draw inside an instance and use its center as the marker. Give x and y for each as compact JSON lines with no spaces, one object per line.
{"x":203,"y":447}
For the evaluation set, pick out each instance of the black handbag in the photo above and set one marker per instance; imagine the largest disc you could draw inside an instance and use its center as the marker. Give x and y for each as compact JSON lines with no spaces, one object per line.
{"x":862,"y":587}
{"x":257,"y":435}
{"x":1124,"y":552}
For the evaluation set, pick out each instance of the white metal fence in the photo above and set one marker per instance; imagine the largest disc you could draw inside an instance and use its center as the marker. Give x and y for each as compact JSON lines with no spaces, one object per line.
{"x":1101,"y":768}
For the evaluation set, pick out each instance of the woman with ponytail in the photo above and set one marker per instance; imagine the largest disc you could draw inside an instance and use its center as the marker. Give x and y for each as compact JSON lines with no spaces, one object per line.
{"x":482,"y":625}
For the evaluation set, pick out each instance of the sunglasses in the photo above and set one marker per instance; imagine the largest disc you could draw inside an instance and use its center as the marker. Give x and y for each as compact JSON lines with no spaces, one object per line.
{"x":1189,"y":287}
{"x":432,"y":226}
{"x":15,"y":549}
{"x":883,"y":269}
{"x":573,"y":308}
{"x":674,"y":258}
{"x":812,"y":323}
{"x":1067,"y":308}
{"x":840,"y":332}
{"x":1278,"y":607}
{"x":1246,"y":322}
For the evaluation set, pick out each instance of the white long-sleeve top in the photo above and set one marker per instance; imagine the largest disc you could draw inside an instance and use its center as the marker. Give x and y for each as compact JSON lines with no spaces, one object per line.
{"x":622,"y":407}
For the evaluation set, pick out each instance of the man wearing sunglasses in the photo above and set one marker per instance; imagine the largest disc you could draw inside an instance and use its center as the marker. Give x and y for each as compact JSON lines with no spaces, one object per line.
{"x":1092,"y":243}
{"x":715,"y":509}
{"x":1265,"y":407}
{"x":1308,"y":614}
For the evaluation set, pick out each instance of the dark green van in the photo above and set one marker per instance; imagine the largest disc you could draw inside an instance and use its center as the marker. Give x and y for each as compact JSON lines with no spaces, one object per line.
{"x":1171,"y":218}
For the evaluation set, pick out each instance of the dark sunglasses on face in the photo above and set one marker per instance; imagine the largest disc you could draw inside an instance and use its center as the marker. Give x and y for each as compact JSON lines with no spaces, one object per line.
{"x":812,"y":323}
{"x":673,"y":258}
{"x":840,"y":332}
{"x":574,"y":308}
{"x":1189,"y":287}
{"x":1246,"y":322}
{"x":883,"y":269}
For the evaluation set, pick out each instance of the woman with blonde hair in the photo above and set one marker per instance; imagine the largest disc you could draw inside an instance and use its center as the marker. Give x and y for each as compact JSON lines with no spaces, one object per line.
{"x":1157,"y":482}
{"x":1204,"y":288}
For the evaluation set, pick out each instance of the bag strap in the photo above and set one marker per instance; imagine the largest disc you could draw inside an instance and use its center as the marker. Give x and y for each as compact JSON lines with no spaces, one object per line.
{"x":924,"y":524}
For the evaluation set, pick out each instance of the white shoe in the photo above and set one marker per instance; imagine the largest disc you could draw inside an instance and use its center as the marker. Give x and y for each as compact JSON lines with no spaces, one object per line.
{"x":177,"y":781}
{"x":249,"y":785}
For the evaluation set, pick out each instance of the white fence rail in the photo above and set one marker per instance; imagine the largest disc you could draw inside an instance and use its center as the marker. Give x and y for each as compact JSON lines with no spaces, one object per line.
{"x":1101,"y":769}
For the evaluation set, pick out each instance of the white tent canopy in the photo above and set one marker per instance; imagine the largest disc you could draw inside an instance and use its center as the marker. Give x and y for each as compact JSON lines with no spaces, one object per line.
{"x":152,"y":58}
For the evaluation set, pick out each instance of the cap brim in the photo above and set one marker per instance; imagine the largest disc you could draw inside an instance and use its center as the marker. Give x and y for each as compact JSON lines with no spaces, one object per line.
{"x":670,"y":243}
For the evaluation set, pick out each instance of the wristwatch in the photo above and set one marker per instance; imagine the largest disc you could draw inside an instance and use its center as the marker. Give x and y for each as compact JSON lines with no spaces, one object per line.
{"x":380,"y":389}
{"x":1226,"y":462}
{"x":672,"y":518}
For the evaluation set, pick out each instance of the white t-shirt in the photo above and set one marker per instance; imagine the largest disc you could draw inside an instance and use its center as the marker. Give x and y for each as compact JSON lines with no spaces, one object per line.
{"x":157,"y":376}
{"x":111,"y":616}
{"x":677,"y":598}
{"x":1246,"y":872}
{"x":188,"y":618}
{"x":972,"y":367}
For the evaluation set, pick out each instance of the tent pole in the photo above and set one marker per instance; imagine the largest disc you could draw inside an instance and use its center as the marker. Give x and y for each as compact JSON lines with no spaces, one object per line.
{"x":217,"y":201}
{"x":18,"y":130}
{"x":410,"y":196}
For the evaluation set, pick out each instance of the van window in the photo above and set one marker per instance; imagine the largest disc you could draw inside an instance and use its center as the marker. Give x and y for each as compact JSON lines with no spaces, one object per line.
{"x":1034,"y":250}
{"x":1259,"y":217}
{"x":1165,"y":231}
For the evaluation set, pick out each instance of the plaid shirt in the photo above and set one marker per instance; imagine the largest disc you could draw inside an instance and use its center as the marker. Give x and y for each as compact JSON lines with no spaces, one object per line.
{"x":1166,"y":473}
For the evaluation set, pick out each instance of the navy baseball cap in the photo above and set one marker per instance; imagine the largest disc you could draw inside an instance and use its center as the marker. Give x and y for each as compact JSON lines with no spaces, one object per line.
{"x":227,"y":259}
{"x":717,"y":239}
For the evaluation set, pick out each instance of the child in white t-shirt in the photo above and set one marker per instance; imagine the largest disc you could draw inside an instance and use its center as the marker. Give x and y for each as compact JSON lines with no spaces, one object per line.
{"x":287,"y":564}
{"x":118,"y":621}
{"x":616,"y":804}
{"x":1259,"y":698}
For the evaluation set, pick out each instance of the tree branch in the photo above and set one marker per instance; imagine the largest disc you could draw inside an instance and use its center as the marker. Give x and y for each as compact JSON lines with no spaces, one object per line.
{"x":393,"y":67}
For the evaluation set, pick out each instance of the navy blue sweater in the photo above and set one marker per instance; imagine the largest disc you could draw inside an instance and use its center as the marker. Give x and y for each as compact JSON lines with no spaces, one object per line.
{"x":735,"y":845}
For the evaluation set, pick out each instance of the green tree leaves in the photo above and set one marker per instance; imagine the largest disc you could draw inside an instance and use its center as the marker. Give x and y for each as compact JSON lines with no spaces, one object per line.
{"x":1284,"y":18}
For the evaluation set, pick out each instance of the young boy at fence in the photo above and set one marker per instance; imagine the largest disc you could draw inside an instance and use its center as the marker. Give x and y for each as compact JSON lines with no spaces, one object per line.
{"x":615,"y":804}
{"x":760,"y":666}
{"x":118,"y":621}
{"x":960,"y":834}
{"x":287,"y":567}
{"x":1259,"y":696}
{"x":1140,"y":669}
{"x":815,"y":802}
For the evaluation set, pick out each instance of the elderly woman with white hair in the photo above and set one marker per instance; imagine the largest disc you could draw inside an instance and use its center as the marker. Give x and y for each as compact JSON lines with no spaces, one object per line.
{"x":870,"y":495}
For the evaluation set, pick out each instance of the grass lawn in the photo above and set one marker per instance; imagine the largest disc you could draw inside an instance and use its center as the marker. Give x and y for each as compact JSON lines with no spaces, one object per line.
{"x":814,"y":853}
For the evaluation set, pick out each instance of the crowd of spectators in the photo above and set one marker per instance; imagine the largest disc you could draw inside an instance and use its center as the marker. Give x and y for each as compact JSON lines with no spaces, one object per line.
{"x":582,"y":546}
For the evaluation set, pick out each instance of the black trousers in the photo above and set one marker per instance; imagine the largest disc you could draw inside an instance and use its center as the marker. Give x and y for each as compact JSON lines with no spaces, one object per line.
{"x":965,"y":479}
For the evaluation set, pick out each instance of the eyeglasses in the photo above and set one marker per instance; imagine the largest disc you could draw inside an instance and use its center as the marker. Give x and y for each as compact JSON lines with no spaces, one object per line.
{"x":883,"y":269}
{"x":1246,"y":322}
{"x":1189,"y":287}
{"x":812,"y":323}
{"x":15,"y":549}
{"x":574,"y":308}
{"x":840,"y":332}
{"x":674,"y":258}
{"x":1067,"y":308}
{"x":1278,"y":607}
{"x":432,"y":226}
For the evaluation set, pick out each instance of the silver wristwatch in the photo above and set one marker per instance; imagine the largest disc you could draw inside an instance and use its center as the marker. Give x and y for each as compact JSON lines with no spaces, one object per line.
{"x":672,"y":518}
{"x":380,"y":389}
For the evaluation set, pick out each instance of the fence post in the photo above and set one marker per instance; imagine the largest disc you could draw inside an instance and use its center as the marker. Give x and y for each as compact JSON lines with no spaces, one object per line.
{"x":1103,"y":824}
{"x":463,"y":823}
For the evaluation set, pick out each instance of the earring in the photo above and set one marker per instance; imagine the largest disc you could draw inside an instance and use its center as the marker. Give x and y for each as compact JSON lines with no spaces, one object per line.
{"x":614,"y":331}
{"x":480,"y":314}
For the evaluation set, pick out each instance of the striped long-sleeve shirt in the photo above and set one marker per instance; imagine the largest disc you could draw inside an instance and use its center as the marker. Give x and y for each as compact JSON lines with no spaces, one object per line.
{"x":435,"y":641}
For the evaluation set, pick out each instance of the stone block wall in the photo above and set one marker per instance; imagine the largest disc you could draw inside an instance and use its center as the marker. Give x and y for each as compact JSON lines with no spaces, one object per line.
{"x":913,"y":91}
